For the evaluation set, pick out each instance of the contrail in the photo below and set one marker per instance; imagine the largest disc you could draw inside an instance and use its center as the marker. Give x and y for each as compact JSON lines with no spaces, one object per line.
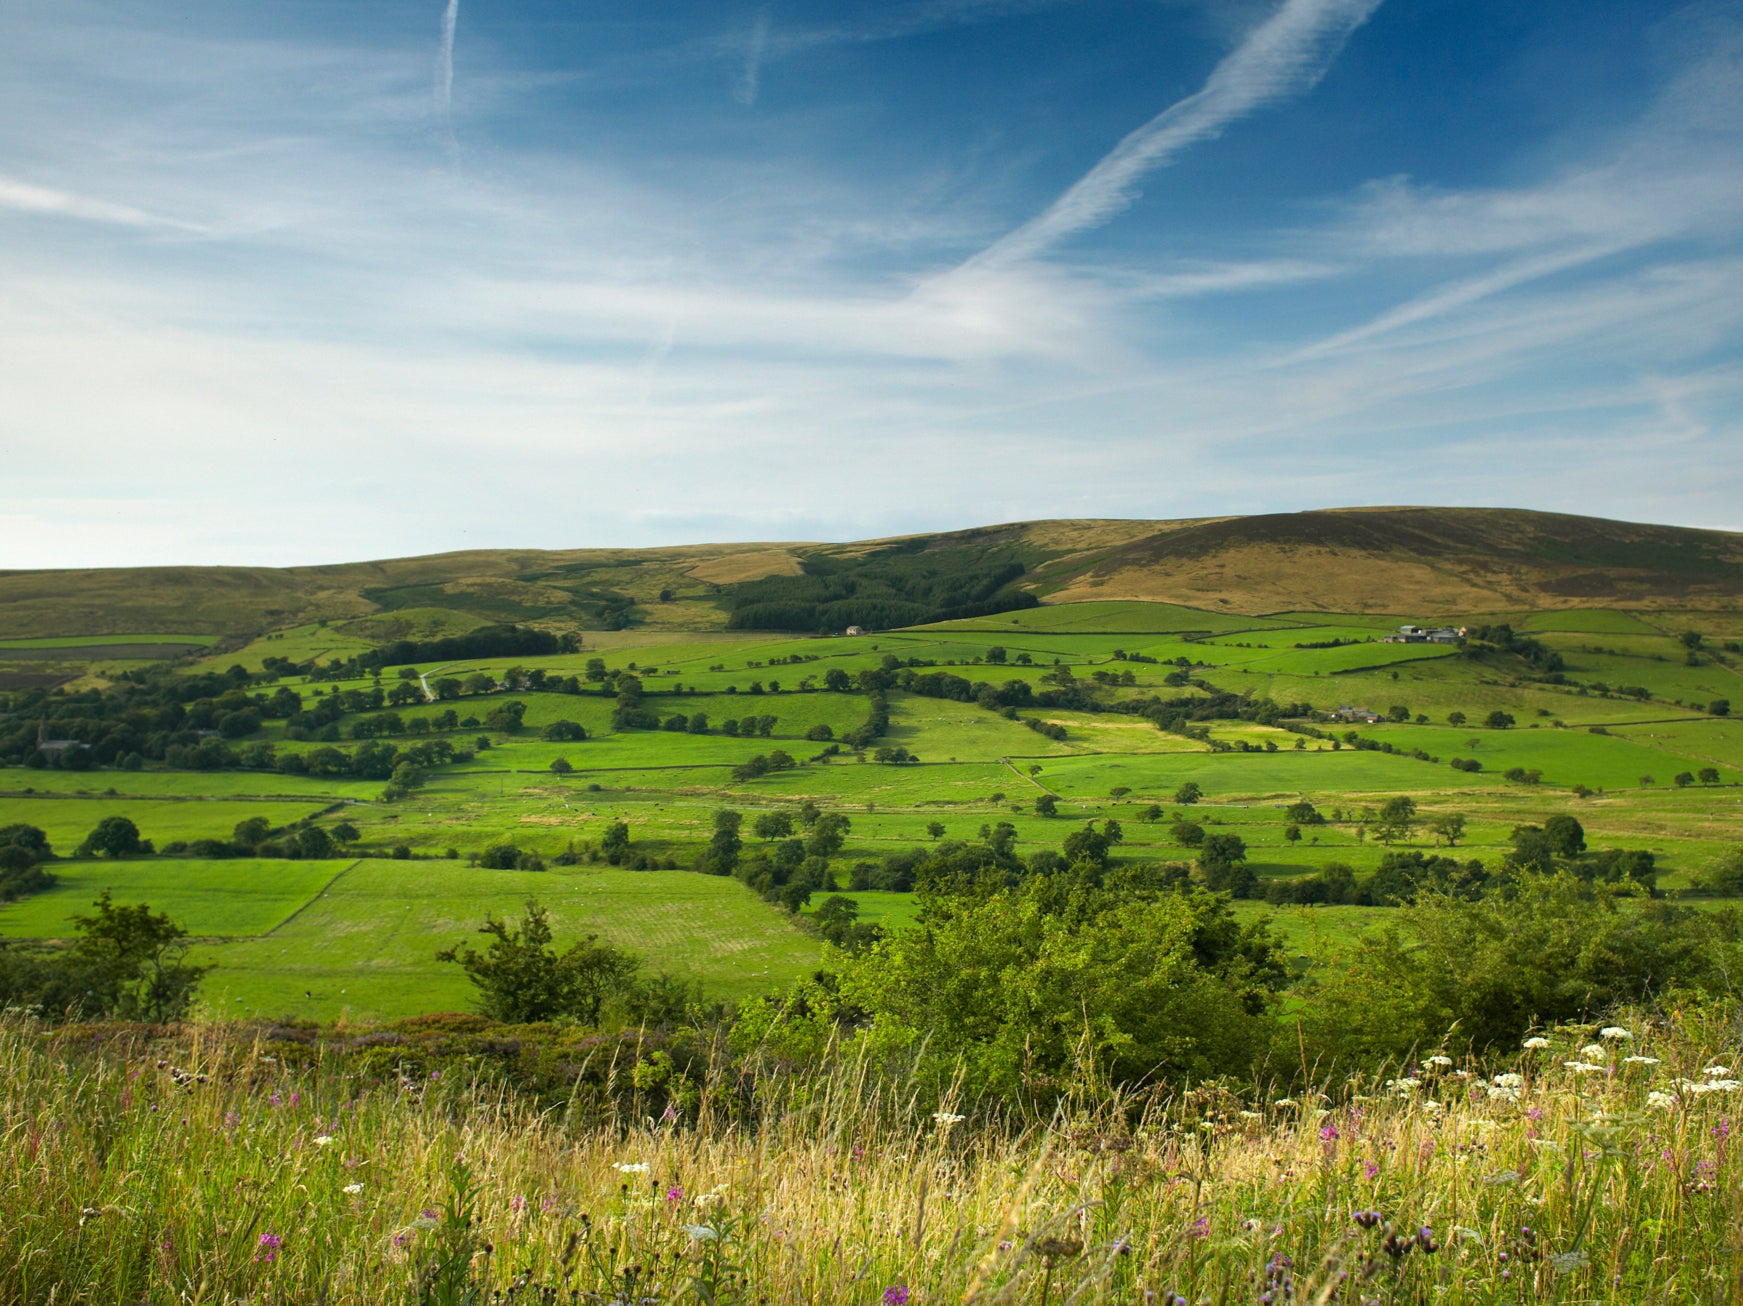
{"x":746,"y":90}
{"x":1284,"y":56}
{"x":445,"y":62}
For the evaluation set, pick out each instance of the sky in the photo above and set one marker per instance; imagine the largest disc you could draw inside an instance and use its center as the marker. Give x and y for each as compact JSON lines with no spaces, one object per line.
{"x":305,"y":281}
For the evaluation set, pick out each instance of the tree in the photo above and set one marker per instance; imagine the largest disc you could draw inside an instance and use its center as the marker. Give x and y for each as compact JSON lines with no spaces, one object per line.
{"x":1397,"y":818}
{"x":773,"y":825}
{"x":935,"y":829}
{"x":1222,"y":858}
{"x":134,"y":962}
{"x":1449,"y":826}
{"x":564,"y":732}
{"x":1014,"y":994}
{"x":1709,"y":775}
{"x":1719,"y":707}
{"x":314,"y":842}
{"x":115,"y":836}
{"x":1047,"y":805}
{"x":561,"y":766}
{"x":1565,"y":834}
{"x":521,"y":979}
{"x":1455,"y":718}
{"x":1292,"y":833}
{"x":1188,"y":834}
{"x":1086,"y":845}
{"x":1398,"y":712}
{"x":1533,"y":850}
{"x":1113,"y":832}
{"x":1683,"y":779}
{"x":615,"y":841}
{"x":1303,"y":813}
{"x":250,"y":834}
{"x":828,"y":833}
{"x":724,"y":845}
{"x":1498,"y":720}
{"x":1188,"y":793}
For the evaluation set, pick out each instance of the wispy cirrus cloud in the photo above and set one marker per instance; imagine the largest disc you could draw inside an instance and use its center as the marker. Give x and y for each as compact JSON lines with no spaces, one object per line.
{"x":756,"y":44}
{"x":25,"y":197}
{"x":1284,"y":56}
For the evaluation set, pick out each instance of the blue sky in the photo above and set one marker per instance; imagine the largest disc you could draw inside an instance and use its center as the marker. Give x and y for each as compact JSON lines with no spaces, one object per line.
{"x":318,"y":281}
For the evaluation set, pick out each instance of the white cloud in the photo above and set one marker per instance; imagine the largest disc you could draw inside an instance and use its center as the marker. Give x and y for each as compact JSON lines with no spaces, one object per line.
{"x":1284,"y":56}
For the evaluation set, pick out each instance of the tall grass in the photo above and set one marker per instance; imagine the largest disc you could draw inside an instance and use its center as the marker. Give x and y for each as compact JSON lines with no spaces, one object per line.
{"x":195,"y":1167}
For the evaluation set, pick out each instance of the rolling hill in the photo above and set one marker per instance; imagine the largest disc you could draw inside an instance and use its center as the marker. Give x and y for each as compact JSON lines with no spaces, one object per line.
{"x":1424,"y":561}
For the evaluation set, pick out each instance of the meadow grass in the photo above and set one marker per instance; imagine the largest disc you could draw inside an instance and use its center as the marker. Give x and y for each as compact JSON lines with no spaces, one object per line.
{"x":240,"y":896}
{"x":215,"y":1165}
{"x":67,"y":820}
{"x":365,"y":947}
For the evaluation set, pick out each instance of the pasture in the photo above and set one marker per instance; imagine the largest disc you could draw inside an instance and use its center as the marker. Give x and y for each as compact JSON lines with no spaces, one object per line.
{"x":318,"y":939}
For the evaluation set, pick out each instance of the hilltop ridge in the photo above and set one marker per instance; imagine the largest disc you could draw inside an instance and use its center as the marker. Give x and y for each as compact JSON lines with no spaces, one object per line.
{"x":1424,"y":560}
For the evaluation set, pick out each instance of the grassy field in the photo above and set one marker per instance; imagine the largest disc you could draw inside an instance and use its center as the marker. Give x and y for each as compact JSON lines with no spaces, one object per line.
{"x":365,"y":946}
{"x":365,"y":941}
{"x":215,"y":1166}
{"x":227,"y":898}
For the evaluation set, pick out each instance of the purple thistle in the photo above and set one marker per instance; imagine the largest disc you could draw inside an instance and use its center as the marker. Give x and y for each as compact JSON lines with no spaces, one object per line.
{"x":268,"y":1247}
{"x":895,"y":1295}
{"x":674,"y":1194}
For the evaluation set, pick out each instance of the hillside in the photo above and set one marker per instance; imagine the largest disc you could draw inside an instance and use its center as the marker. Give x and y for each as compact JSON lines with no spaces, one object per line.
{"x":1419,"y":560}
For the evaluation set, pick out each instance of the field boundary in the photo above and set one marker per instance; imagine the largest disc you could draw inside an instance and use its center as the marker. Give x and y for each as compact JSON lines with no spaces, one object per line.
{"x":315,"y":897}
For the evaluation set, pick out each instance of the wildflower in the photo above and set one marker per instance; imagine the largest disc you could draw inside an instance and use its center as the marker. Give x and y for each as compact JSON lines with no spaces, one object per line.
{"x":1583,"y":1067}
{"x":1568,"y":1262}
{"x":1252,"y":1115}
{"x":1718,"y":1072}
{"x":1660,"y":1101}
{"x":674,"y":1195}
{"x":1369,"y":1169}
{"x":1594,"y":1051}
{"x":324,"y":1140}
{"x":1201,"y":1227}
{"x":701,"y":1232}
{"x":669,"y":1114}
{"x":267,"y":1249}
{"x":1329,"y":1133}
{"x":630,"y":1167}
{"x":895,"y":1295}
{"x":352,"y":1189}
{"x":943,"y":1118}
{"x":1282,"y":1102}
{"x":1640,"y":1061}
{"x":1536,"y":1043}
{"x":1441,"y":1060}
{"x":1367,"y":1219}
{"x":1614,"y":1032}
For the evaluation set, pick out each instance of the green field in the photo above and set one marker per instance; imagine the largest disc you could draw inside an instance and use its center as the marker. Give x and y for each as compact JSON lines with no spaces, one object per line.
{"x":320,"y":938}
{"x":229,"y":898}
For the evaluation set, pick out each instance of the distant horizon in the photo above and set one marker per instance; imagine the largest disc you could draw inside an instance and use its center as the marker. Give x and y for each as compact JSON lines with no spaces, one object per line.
{"x":815,"y":542}
{"x":330,"y":282}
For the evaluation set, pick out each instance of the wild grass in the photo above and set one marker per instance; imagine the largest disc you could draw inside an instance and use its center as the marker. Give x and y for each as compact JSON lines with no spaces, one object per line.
{"x":203,"y":1167}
